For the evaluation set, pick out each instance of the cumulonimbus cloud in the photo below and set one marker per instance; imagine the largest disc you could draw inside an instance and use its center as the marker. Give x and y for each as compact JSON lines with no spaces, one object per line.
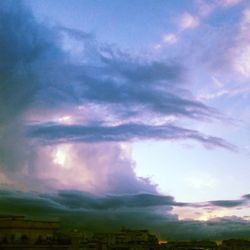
{"x":40,"y":74}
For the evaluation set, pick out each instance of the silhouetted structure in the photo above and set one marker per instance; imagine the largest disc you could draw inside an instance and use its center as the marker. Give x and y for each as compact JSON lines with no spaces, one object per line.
{"x":191,"y":245}
{"x":17,"y":228}
{"x":126,"y":239}
{"x":234,"y":244}
{"x":16,"y":232}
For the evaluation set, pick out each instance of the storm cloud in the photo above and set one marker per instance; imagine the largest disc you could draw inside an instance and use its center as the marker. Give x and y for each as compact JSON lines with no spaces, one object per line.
{"x":108,"y":213}
{"x":56,"y":133}
{"x":43,"y":75}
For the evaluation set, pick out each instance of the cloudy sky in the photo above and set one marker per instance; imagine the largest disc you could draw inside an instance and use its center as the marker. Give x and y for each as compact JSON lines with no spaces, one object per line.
{"x":127,"y":113}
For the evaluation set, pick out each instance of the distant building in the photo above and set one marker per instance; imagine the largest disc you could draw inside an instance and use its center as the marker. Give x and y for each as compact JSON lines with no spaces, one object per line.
{"x":191,"y":245}
{"x":125,"y":239}
{"x":17,"y":232}
{"x":17,"y":228}
{"x":235,"y":244}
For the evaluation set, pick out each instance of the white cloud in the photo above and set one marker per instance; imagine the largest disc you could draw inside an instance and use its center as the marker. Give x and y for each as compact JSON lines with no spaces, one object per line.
{"x":157,"y":46}
{"x":228,"y":50}
{"x":170,"y":38}
{"x":228,"y":3}
{"x":242,"y":61}
{"x":228,"y":92}
{"x":240,"y":53}
{"x":207,"y":7}
{"x":245,"y":21}
{"x":217,"y":83}
{"x":187,"y":21}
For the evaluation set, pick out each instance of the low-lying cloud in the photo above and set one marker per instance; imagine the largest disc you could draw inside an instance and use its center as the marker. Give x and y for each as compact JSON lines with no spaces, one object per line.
{"x":108,"y":213}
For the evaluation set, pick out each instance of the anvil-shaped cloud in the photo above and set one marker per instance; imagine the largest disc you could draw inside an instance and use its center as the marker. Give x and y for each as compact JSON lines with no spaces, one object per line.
{"x":125,"y":98}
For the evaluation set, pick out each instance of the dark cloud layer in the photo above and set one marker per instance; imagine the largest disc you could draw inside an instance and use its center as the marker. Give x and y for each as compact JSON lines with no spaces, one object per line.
{"x":57,"y":133}
{"x":108,"y":213}
{"x":228,"y":203}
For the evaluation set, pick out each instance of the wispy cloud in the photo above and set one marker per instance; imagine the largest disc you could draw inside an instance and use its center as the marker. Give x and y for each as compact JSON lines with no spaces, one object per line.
{"x":188,"y":21}
{"x":208,"y":7}
{"x":170,"y":38}
{"x":229,"y":3}
{"x":56,"y":133}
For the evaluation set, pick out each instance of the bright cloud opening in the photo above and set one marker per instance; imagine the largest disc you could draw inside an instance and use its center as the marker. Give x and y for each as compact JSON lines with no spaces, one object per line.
{"x":61,"y":157}
{"x":187,"y":21}
{"x":170,"y":38}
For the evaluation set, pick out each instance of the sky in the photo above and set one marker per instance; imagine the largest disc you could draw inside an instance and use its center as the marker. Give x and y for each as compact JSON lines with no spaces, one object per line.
{"x":127,"y":113}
